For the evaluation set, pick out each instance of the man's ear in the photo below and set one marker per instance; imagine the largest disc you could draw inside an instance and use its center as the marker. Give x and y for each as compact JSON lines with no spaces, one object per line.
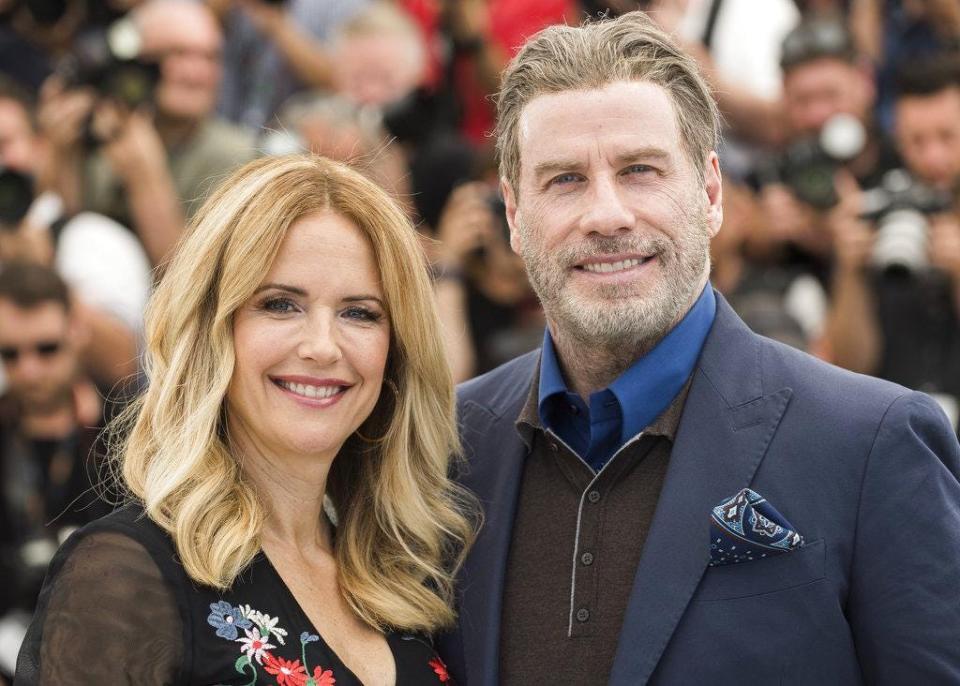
{"x":713,"y":186}
{"x":513,"y":213}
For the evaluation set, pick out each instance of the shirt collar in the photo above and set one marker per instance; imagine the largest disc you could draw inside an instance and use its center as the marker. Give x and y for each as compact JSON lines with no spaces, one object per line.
{"x":646,"y":388}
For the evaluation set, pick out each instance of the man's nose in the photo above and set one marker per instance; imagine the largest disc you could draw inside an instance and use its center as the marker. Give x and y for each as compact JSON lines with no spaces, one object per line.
{"x":607,"y":212}
{"x":29,"y":366}
{"x":320,"y":340}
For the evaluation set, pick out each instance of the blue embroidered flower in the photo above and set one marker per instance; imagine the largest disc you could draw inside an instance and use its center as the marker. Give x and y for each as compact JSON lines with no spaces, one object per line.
{"x":307,"y":637}
{"x":226,"y":619}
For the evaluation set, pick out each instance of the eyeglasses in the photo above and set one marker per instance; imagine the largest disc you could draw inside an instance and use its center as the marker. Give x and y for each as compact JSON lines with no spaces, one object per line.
{"x":10,"y":354}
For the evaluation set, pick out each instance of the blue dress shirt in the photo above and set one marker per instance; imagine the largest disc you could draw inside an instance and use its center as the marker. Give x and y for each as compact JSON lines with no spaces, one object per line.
{"x":637,"y":397}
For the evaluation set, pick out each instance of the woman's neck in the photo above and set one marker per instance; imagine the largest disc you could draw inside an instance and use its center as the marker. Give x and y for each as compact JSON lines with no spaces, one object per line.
{"x":292,"y":489}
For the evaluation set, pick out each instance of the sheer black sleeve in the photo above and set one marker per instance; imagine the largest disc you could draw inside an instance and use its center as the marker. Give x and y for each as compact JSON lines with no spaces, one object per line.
{"x":106,"y":616}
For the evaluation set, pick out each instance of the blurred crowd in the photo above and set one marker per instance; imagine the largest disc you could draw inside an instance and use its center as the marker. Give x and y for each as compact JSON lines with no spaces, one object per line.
{"x":841,"y":162}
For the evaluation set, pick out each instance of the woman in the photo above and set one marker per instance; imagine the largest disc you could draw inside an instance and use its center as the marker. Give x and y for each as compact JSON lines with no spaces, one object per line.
{"x":293,"y":358}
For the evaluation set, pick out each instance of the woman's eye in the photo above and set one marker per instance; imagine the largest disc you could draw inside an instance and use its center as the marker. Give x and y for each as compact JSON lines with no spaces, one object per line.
{"x":362,"y":314}
{"x":279,"y":305}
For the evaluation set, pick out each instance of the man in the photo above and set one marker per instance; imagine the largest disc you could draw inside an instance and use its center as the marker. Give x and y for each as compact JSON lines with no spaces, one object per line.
{"x":670,"y":498}
{"x":823,"y":79}
{"x":905,"y":325}
{"x":49,"y":419}
{"x":152,"y":170}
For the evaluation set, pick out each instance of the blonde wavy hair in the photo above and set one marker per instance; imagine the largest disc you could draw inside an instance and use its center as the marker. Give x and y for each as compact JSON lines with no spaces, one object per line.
{"x":403,"y":525}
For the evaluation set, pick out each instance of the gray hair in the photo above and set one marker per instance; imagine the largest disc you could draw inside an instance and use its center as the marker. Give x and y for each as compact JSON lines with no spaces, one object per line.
{"x":629,"y":48}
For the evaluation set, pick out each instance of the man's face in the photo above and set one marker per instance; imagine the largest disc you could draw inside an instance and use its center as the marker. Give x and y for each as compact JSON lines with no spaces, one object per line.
{"x":18,"y":141}
{"x":817,"y":90}
{"x":609,"y":216}
{"x":377,"y":70}
{"x":928,"y":136}
{"x":188,"y":43}
{"x":37,"y":353}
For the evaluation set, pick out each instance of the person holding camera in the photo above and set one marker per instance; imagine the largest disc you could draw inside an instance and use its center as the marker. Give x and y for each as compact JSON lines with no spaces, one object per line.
{"x":149,"y":165}
{"x":488,"y":310}
{"x":828,"y":98}
{"x":896,"y":290}
{"x":48,"y":425}
{"x":107,"y":270}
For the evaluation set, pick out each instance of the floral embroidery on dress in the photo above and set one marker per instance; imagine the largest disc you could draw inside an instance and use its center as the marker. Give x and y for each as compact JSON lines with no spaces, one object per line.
{"x":226,"y":619}
{"x":255,"y":646}
{"x":440,"y":670}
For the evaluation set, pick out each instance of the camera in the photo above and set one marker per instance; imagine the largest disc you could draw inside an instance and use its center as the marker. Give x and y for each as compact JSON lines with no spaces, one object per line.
{"x":899,"y":208}
{"x":46,"y":12}
{"x":809,"y":165}
{"x":109,"y":61}
{"x":16,"y":197}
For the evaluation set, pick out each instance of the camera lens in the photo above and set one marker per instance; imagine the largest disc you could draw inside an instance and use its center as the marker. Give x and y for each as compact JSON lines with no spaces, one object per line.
{"x":16,"y":196}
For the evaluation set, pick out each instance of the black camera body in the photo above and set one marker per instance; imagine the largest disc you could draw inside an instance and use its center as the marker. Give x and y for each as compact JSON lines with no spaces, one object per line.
{"x":899,"y":209}
{"x":46,"y":12}
{"x":16,"y":196}
{"x":109,"y":62}
{"x":808,"y":166}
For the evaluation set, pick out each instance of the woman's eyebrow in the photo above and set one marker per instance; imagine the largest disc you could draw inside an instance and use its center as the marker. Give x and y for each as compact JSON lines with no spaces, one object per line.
{"x":361,"y":298}
{"x":280,"y":287}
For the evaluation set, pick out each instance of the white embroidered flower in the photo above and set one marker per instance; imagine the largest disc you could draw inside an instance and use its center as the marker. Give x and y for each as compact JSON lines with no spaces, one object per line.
{"x":268,"y":625}
{"x":254,"y":645}
{"x":247,"y":612}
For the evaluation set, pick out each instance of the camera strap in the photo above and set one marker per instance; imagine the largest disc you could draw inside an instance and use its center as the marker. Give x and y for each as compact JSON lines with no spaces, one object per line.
{"x":710,"y":28}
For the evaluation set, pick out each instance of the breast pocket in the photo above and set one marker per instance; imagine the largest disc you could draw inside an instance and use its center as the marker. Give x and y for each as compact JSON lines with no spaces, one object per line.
{"x":786,"y":570}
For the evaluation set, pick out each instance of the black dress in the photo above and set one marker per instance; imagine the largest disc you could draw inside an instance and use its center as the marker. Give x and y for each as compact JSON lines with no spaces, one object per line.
{"x":117,"y":608}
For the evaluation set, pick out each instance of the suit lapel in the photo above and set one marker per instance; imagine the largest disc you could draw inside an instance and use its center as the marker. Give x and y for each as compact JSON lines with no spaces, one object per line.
{"x":723,"y":435}
{"x":496,"y":454}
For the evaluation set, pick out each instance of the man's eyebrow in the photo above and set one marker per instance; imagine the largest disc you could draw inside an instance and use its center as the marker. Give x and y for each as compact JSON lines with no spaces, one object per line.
{"x":554,"y":166}
{"x":645,"y":153}
{"x":548,"y":167}
{"x":281,"y":287}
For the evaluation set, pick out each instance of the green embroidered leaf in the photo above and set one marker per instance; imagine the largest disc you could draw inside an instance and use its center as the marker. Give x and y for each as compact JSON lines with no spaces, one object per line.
{"x":241,"y":663}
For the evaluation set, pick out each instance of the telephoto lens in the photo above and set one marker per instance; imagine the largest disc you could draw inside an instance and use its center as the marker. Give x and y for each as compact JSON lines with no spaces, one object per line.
{"x":16,"y":197}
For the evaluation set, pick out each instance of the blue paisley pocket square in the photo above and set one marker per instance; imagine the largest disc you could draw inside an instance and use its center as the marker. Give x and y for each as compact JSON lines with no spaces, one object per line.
{"x":746,"y":527}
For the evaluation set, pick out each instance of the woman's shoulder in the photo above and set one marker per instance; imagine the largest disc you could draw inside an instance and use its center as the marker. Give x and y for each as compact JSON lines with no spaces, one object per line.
{"x":128,"y":537}
{"x":109,"y":578}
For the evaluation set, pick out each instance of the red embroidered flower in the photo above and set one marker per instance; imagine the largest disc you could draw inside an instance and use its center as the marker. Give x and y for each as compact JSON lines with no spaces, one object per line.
{"x":440,"y":669}
{"x":323,"y":678}
{"x":288,"y":673}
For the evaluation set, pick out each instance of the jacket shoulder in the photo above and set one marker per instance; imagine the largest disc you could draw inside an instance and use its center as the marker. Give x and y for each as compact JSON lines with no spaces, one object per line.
{"x":501,"y":388}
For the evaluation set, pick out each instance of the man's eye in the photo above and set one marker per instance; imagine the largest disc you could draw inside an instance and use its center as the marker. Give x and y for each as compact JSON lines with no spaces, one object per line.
{"x":362,"y":314}
{"x":564,"y":179}
{"x":279,"y":305}
{"x":638,"y":169}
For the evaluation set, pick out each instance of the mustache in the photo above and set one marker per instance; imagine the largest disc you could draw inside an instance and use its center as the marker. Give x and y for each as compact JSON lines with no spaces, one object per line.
{"x":602,"y":246}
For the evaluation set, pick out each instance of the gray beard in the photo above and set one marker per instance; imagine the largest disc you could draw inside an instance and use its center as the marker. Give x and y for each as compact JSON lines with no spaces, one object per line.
{"x":615,"y":322}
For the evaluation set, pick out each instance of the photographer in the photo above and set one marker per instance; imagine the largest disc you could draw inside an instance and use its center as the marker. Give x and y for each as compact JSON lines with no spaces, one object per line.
{"x":35,"y":34}
{"x":151,"y":165}
{"x":48,"y":426}
{"x":896,"y":289}
{"x":488,"y":310}
{"x":104,"y":265}
{"x":828,"y":98}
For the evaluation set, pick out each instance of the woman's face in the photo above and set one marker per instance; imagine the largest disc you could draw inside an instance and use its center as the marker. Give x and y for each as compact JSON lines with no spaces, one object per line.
{"x":311,"y":344}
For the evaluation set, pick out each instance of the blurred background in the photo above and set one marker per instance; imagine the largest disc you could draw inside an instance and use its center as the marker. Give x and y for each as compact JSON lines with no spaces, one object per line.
{"x":841,"y":160}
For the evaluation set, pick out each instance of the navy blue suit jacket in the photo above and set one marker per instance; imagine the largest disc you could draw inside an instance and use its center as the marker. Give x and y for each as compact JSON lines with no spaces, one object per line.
{"x":865,"y":470}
